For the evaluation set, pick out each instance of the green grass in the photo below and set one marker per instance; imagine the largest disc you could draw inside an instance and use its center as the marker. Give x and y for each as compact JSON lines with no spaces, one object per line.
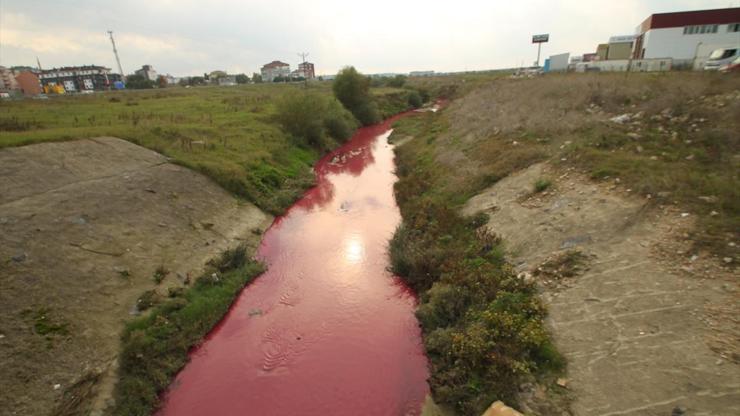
{"x":155,"y":347}
{"x":231,"y":134}
{"x":482,"y":325}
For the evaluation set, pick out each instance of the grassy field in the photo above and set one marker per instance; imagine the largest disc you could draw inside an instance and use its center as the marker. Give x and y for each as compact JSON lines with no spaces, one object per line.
{"x":677,"y":143}
{"x":231,"y":134}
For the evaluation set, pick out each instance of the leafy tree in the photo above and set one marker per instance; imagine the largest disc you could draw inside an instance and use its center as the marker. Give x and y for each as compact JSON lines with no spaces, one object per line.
{"x":138,"y":82}
{"x":257,"y":78}
{"x":352,"y":89}
{"x":242,"y":79}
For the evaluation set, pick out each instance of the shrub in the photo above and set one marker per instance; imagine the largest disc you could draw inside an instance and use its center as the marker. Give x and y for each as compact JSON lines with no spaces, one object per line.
{"x":352,"y":89}
{"x":541,"y":185}
{"x":414,"y":99}
{"x":313,"y":117}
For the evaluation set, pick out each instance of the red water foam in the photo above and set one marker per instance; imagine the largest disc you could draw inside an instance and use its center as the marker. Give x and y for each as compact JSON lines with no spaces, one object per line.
{"x":327,"y":330}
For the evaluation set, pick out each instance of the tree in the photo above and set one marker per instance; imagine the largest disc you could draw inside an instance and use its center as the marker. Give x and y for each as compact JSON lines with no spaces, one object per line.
{"x":137,"y":82}
{"x":397,"y":81}
{"x":256,"y":78}
{"x":352,"y":89}
{"x":242,"y":79}
{"x":162,"y":81}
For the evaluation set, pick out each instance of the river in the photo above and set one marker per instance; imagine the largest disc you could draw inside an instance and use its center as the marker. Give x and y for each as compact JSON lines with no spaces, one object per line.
{"x":327,"y":330}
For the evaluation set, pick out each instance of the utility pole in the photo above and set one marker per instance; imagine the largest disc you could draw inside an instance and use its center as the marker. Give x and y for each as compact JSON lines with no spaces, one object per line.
{"x":115,"y":52}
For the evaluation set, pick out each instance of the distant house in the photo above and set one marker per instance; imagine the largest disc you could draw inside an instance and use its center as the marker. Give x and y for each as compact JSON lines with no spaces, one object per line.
{"x":273,"y":70}
{"x":7,"y":80}
{"x":29,"y":83}
{"x":148,"y":72}
{"x":307,"y":69}
{"x":79,"y":78}
{"x":421,"y":73}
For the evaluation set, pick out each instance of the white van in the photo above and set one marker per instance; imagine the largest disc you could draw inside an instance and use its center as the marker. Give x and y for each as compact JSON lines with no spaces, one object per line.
{"x":720,"y":58}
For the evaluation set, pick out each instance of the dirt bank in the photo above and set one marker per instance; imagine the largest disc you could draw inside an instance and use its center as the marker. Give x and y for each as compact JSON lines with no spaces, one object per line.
{"x":647,"y":325}
{"x":84,"y":226}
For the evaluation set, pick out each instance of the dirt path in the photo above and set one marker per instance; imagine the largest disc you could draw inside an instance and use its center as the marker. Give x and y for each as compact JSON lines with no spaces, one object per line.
{"x":650,"y":327}
{"x":83,"y":227}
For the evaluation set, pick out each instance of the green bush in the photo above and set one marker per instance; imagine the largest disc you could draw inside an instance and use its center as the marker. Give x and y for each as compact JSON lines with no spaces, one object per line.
{"x":352,"y":89}
{"x":315,"y":118}
{"x":414,"y":99}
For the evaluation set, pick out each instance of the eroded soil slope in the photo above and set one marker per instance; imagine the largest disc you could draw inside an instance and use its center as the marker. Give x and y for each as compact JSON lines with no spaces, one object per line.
{"x":648,"y":325}
{"x":84,"y":228}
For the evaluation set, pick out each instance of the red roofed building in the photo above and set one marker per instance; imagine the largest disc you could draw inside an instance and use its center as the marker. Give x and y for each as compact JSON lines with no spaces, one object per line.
{"x":275,"y":69}
{"x":687,"y":36}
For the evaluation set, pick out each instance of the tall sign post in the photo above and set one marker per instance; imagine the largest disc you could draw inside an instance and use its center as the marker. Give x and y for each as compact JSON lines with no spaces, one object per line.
{"x":539,"y":40}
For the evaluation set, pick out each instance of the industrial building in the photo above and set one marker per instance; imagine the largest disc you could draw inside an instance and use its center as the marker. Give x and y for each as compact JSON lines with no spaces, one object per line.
{"x":274,"y":70}
{"x":687,"y":37}
{"x":620,"y":47}
{"x":79,"y":78}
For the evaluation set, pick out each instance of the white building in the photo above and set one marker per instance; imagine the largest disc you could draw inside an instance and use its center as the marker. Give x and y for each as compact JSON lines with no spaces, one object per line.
{"x":275,"y":69}
{"x":687,"y":37}
{"x":148,"y":72}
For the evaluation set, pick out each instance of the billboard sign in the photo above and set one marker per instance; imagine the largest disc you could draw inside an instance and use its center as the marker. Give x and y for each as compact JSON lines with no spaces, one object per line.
{"x":540,"y":38}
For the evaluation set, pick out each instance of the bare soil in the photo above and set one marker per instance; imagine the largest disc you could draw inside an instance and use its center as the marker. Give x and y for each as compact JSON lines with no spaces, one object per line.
{"x":648,"y":326}
{"x":84,"y":226}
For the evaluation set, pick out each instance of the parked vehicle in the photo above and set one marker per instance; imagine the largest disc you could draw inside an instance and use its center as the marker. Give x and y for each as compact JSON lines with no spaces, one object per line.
{"x":733,"y":66}
{"x":720,"y":58}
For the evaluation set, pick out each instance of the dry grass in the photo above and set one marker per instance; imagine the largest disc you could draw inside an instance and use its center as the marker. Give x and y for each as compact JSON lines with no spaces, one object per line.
{"x":681,"y":145}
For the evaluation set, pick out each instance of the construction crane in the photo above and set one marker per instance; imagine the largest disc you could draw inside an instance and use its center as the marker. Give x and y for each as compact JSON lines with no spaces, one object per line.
{"x":115,"y":52}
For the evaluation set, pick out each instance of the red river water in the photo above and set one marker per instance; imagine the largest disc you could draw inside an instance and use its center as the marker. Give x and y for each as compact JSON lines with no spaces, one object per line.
{"x":327,"y":330}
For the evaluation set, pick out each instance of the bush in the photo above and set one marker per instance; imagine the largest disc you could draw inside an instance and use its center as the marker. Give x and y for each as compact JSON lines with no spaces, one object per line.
{"x":414,"y":99}
{"x":352,"y":89}
{"x":315,"y":118}
{"x":541,"y":185}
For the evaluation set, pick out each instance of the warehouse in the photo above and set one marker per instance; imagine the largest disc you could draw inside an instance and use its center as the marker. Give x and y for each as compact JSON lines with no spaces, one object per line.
{"x":687,"y":36}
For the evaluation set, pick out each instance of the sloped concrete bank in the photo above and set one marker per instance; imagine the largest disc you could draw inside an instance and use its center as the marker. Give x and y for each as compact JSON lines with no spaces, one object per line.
{"x":84,"y":227}
{"x":647,"y":327}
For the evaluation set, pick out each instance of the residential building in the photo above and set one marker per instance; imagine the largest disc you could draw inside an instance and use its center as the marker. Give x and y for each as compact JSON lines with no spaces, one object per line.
{"x":687,"y":37}
{"x":7,"y":80}
{"x":307,"y":68}
{"x":273,"y":70}
{"x":620,"y":47}
{"x":28,"y":83}
{"x":79,"y":78}
{"x":148,"y":72}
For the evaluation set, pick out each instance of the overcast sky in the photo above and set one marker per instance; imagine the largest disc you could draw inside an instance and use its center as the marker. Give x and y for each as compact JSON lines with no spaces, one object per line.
{"x":184,"y":37}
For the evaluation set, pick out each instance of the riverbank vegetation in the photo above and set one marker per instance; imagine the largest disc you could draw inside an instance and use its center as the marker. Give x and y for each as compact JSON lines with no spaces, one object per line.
{"x":483,"y":326}
{"x":155,"y":347}
{"x":669,"y":138}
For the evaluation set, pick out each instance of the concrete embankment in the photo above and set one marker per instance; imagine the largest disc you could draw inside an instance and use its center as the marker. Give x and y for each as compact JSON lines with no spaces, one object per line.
{"x":84,"y":228}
